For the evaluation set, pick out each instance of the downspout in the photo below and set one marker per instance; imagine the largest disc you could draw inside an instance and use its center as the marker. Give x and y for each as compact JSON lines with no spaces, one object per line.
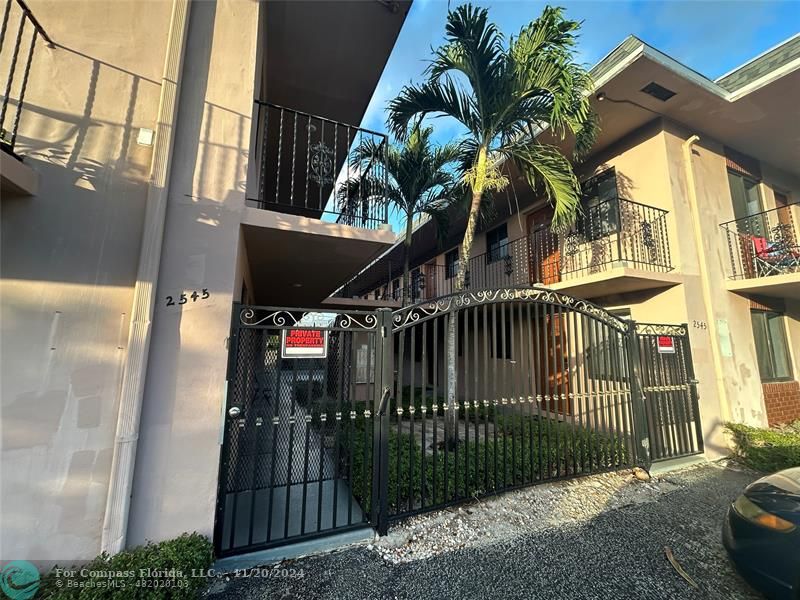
{"x":118,"y":500}
{"x":705,"y":281}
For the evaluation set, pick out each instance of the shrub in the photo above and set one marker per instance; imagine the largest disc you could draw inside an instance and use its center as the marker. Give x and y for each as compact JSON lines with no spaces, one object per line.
{"x":766,"y":450}
{"x":169,"y":569}
{"x":488,"y":465}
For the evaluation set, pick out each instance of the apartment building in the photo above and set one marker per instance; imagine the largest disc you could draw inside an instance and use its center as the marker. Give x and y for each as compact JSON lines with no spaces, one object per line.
{"x":690,"y":215}
{"x":161,"y":161}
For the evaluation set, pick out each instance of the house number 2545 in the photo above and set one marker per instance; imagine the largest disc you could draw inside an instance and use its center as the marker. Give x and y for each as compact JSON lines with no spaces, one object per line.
{"x":194,"y":296}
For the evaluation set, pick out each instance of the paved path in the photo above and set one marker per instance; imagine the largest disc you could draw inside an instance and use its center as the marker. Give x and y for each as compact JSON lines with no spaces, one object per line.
{"x":618,"y":552}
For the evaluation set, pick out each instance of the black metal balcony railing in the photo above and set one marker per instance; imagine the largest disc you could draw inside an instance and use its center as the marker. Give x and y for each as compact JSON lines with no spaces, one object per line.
{"x":764,"y":244}
{"x":306,"y":168}
{"x":605,"y":235}
{"x":15,"y":84}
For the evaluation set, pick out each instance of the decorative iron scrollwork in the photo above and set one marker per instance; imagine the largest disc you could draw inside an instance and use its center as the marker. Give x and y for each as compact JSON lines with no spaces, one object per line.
{"x":660,"y":329}
{"x":252,"y":316}
{"x":321,"y":163}
{"x":407,"y":316}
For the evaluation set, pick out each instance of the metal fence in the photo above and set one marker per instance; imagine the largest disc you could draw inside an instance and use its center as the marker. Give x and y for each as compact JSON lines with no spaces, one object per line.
{"x":437,"y":403}
{"x":764,"y":244}
{"x":20,"y":21}
{"x":305,"y":167}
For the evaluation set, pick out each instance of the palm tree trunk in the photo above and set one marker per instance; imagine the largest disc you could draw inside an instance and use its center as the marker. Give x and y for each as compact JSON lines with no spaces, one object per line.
{"x":451,"y":419}
{"x":407,"y":265}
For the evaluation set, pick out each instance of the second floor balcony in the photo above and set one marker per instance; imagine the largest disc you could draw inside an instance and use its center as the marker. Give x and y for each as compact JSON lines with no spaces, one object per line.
{"x":305,"y":167}
{"x":764,"y":252}
{"x":615,"y":246}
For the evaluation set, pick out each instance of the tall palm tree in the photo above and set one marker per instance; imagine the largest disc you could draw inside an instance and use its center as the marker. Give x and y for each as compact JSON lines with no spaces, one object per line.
{"x":420,"y":180}
{"x":505,"y":96}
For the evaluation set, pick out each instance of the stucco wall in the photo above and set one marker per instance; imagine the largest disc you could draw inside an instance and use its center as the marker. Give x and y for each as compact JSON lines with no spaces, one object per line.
{"x":177,"y":462}
{"x":69,"y":259}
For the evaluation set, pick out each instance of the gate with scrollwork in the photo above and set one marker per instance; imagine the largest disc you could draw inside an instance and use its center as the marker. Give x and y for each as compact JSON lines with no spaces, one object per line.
{"x":669,"y":390}
{"x":298,"y":447}
{"x":345,"y":419}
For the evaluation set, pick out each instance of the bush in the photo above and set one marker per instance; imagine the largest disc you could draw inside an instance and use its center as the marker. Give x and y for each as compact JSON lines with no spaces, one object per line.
{"x":486,"y":466}
{"x":766,"y":450}
{"x":170,"y":569}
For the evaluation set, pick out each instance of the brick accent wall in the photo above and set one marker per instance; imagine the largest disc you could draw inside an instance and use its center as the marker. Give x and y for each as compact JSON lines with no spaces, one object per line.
{"x":782,"y":401}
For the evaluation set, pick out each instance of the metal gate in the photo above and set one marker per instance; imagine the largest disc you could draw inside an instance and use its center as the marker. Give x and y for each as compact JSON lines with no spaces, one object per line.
{"x":542,"y":390}
{"x":669,"y":388}
{"x":297,"y":455}
{"x":338,"y":419}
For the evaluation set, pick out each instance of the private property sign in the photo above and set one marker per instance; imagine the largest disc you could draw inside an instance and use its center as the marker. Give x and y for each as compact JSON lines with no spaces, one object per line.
{"x":304,"y":343}
{"x":666,"y":344}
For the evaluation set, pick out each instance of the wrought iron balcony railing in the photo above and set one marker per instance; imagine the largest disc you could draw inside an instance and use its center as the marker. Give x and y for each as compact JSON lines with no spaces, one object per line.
{"x":764,"y":244}
{"x":611,"y":233}
{"x":305,"y":167}
{"x":18,"y":20}
{"x":604,"y":236}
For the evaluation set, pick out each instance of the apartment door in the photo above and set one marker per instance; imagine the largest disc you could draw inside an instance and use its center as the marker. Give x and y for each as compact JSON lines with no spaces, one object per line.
{"x":785,"y":217}
{"x":544,"y":252}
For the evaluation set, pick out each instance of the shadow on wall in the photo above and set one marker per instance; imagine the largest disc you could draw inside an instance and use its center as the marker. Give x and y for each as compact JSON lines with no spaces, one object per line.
{"x":85,"y":224}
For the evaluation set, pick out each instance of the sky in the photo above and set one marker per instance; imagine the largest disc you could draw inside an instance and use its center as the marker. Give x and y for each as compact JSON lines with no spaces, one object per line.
{"x":712,"y":37}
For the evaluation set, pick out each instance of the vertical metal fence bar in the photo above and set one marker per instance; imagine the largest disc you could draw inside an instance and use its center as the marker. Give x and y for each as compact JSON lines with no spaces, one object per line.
{"x":12,"y":68}
{"x":411,"y":416}
{"x":642,"y":438}
{"x":424,"y":376}
{"x":398,"y":414}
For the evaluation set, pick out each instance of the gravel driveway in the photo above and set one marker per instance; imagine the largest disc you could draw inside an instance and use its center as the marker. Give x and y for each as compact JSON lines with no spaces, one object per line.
{"x":596,"y":537}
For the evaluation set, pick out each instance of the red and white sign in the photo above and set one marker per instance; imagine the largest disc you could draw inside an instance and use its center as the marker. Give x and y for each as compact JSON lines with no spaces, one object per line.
{"x":666,"y":344}
{"x":304,"y":343}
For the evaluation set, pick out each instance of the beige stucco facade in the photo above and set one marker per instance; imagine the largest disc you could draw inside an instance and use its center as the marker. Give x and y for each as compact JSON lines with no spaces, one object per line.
{"x":82,"y":236}
{"x":134,"y":222}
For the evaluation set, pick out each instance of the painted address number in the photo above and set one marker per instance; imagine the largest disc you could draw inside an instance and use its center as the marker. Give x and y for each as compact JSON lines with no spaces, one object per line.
{"x":699,"y":325}
{"x":183,"y":298}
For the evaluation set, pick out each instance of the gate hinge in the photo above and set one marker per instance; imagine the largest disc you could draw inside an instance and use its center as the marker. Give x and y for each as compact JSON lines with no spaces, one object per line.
{"x":694,"y":381}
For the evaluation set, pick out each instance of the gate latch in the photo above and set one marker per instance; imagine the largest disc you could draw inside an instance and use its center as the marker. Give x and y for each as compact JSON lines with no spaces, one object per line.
{"x":234,"y":411}
{"x":384,"y":399}
{"x":694,"y":381}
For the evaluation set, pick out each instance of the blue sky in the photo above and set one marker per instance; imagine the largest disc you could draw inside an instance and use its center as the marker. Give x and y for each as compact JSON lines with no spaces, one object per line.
{"x":710,"y":37}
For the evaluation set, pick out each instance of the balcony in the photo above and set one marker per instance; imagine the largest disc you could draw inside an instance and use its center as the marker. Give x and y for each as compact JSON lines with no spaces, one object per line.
{"x":21,"y":26}
{"x":309,"y":200}
{"x":764,"y":252}
{"x":305,"y":168}
{"x":616,"y":246}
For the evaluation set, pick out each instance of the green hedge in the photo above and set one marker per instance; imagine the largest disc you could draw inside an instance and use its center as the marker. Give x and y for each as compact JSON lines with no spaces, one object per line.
{"x":562,"y":450}
{"x":152,"y":571}
{"x":766,"y":450}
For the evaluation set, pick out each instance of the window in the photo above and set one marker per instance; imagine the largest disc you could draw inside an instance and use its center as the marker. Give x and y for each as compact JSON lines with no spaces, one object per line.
{"x":416,"y":284}
{"x":600,"y":202}
{"x":451,"y":264}
{"x":771,"y":347}
{"x":746,"y":203}
{"x":365,"y":364}
{"x":497,"y":243}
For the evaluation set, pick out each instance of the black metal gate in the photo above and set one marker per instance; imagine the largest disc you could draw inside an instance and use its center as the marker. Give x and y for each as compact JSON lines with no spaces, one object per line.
{"x":297,"y":455}
{"x":339,"y":419}
{"x":670,"y":390}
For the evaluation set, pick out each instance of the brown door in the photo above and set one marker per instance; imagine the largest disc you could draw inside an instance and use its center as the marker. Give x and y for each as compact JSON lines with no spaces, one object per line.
{"x":554,"y":368}
{"x":431,"y":290}
{"x":545,"y":257}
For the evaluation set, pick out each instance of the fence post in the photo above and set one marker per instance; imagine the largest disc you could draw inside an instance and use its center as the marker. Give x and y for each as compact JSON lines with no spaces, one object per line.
{"x":641,"y":433}
{"x":693,"y":395}
{"x":384,"y":382}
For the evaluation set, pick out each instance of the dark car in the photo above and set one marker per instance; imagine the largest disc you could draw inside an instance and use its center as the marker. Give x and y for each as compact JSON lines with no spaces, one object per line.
{"x":762,"y":534}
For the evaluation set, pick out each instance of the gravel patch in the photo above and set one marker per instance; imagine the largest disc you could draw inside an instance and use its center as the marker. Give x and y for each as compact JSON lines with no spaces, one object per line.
{"x":596,"y":537}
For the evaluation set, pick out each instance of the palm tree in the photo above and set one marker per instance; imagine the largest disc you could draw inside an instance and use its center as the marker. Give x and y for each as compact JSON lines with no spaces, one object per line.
{"x":505,"y":96}
{"x":419,"y":180}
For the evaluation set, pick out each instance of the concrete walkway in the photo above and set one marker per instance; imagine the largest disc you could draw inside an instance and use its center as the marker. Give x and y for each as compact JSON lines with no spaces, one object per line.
{"x":567,"y":541}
